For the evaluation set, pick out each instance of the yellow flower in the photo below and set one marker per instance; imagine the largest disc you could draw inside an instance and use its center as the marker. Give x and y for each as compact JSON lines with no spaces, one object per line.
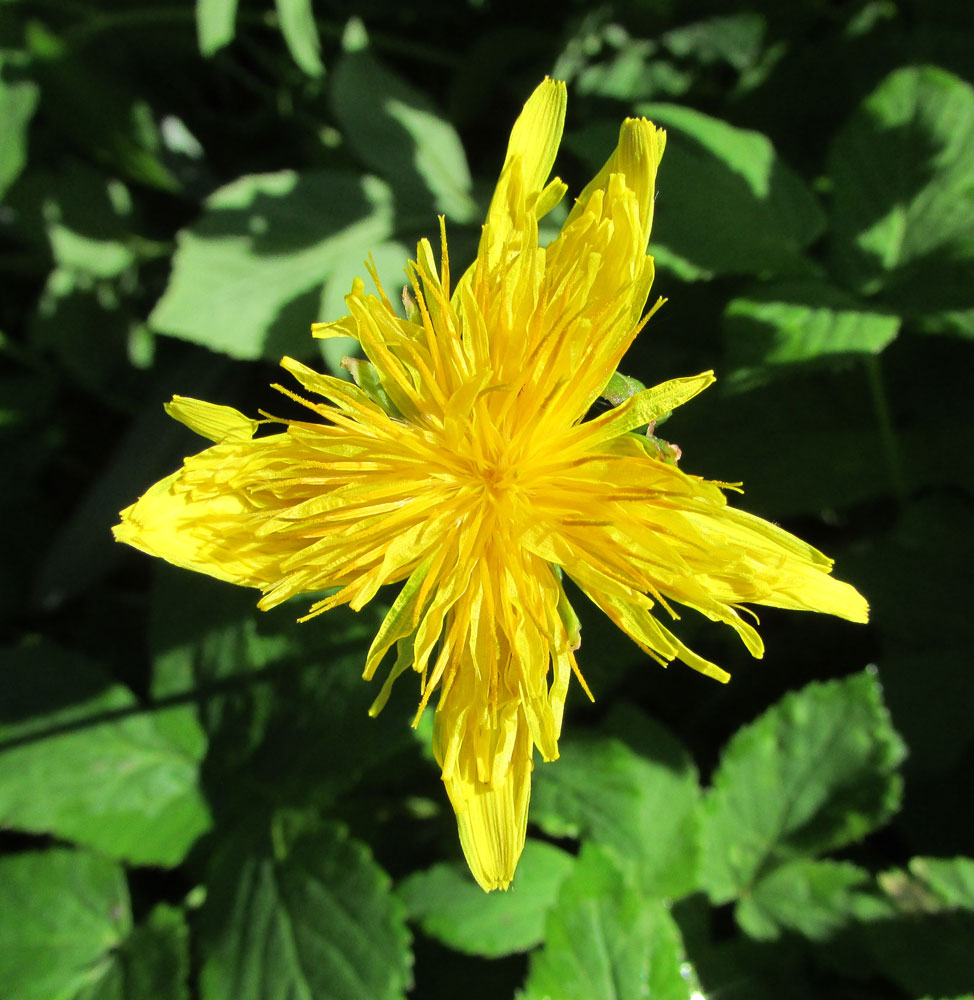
{"x":461,"y":467}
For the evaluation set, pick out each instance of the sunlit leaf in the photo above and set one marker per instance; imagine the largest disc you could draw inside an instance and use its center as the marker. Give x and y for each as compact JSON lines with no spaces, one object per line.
{"x":726,"y":202}
{"x":247,"y":277}
{"x":813,"y":898}
{"x":397,"y":132}
{"x":639,"y":806}
{"x":778,"y":327}
{"x":63,"y":914}
{"x":452,"y":908}
{"x":815,"y":772}
{"x":81,"y":759}
{"x":215,"y":24}
{"x":18,"y":99}
{"x":297,"y":18}
{"x":903,"y":204}
{"x":309,"y":915}
{"x":604,"y":941}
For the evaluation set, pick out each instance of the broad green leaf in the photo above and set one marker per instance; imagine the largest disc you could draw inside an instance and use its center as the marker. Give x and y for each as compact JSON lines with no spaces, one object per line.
{"x":247,"y":277}
{"x":815,"y":772}
{"x":782,"y":326}
{"x":18,"y":99}
{"x":640,"y":806}
{"x":726,"y":203}
{"x":309,"y":916}
{"x":604,"y":941}
{"x":297,"y":19}
{"x":151,"y":964}
{"x":63,"y":914}
{"x":284,"y":704}
{"x":215,"y":24}
{"x":82,"y":760}
{"x":397,"y":132}
{"x":450,"y":907}
{"x":813,"y":898}
{"x":903,"y":204}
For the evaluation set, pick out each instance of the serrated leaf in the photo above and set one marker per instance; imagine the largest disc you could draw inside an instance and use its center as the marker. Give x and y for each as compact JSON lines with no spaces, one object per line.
{"x":63,"y":914}
{"x":815,"y":772}
{"x":18,"y":100}
{"x":310,"y":916}
{"x":640,"y":807}
{"x":297,"y":18}
{"x":604,"y":941}
{"x":247,"y":277}
{"x":903,"y":204}
{"x":727,"y":204}
{"x":784,"y":326}
{"x":215,"y":24}
{"x":813,"y":898}
{"x":397,"y":132}
{"x":450,"y":907}
{"x":932,"y":885}
{"x":80,"y":759}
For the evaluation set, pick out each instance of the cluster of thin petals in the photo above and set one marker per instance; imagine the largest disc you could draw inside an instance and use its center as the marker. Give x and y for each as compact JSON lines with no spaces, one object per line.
{"x":462,"y":470}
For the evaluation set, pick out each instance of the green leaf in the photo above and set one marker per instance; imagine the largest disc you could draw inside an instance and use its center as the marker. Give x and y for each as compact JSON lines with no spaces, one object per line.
{"x":450,"y":907}
{"x":932,"y":885}
{"x":308,"y":916}
{"x":297,"y":18}
{"x":603,"y":941}
{"x":787,"y":325}
{"x":18,"y":101}
{"x":640,"y":806}
{"x":264,"y":684}
{"x":81,"y":759}
{"x":151,"y":964}
{"x":397,"y":132}
{"x":813,"y":898}
{"x":903,"y":204}
{"x":247,"y":277}
{"x":727,"y":204}
{"x":815,"y":772}
{"x":215,"y":24}
{"x":83,"y":217}
{"x":64,"y":912}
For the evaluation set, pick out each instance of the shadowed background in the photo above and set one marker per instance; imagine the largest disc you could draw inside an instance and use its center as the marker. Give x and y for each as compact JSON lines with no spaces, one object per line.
{"x":193,"y":801}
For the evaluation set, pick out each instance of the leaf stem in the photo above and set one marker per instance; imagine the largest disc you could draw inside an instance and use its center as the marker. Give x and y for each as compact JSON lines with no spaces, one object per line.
{"x":887,"y":432}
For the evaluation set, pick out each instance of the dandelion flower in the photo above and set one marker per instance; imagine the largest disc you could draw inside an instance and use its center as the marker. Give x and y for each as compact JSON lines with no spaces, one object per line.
{"x":461,"y":468}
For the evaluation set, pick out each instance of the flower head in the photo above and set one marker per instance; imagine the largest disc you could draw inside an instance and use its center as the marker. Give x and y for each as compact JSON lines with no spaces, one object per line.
{"x":461,"y":468}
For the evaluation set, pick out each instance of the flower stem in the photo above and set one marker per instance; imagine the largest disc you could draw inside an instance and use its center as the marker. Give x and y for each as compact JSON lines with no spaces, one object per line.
{"x":887,"y":433}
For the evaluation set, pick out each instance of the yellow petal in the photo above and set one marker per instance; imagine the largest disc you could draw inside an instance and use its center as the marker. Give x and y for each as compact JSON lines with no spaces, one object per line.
{"x":492,"y":808}
{"x":210,"y":420}
{"x":520,"y":196}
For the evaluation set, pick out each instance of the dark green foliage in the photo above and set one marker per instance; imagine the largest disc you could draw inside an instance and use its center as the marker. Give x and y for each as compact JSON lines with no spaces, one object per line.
{"x":195,"y":804}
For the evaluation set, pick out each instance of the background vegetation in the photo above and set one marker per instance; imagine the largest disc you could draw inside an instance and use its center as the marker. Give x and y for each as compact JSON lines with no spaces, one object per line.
{"x":194,"y":802}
